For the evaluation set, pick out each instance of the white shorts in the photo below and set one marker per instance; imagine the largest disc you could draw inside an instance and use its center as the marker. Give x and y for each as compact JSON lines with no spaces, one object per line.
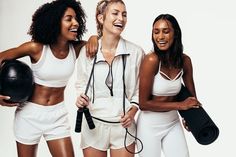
{"x":106,"y":135}
{"x":33,"y":121}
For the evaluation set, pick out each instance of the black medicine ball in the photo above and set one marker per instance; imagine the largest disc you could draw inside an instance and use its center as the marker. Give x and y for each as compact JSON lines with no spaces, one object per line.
{"x":16,"y":81}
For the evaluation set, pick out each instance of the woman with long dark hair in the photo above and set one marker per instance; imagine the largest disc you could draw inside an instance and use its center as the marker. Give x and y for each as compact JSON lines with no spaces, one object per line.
{"x":161,"y":75}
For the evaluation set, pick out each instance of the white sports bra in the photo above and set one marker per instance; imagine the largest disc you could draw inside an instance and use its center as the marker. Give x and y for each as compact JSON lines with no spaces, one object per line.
{"x":166,"y":86}
{"x":51,"y":71}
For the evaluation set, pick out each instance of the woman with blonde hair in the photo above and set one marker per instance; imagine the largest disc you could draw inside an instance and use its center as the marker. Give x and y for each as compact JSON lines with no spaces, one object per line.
{"x":113,"y":91}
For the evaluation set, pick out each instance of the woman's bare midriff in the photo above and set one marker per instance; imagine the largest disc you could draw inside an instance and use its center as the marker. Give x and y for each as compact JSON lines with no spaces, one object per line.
{"x":47,"y":96}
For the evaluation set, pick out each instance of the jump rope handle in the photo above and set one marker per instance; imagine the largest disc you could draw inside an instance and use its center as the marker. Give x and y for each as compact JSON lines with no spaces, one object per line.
{"x":89,"y":118}
{"x":79,"y":118}
{"x":85,"y":110}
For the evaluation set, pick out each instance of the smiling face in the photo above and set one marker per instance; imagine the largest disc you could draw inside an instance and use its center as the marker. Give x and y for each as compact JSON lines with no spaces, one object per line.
{"x":163,"y":34}
{"x":114,"y":19}
{"x":69,"y":25}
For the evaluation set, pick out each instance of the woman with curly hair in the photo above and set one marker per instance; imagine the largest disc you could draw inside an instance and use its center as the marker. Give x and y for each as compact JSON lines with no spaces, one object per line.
{"x":57,"y":28}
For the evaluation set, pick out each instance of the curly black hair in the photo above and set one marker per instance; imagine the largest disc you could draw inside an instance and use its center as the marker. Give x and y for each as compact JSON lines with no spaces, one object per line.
{"x":45,"y":27}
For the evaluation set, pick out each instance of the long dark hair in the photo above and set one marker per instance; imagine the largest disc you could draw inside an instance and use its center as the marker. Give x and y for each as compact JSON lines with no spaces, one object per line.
{"x":173,"y":57}
{"x":46,"y":21}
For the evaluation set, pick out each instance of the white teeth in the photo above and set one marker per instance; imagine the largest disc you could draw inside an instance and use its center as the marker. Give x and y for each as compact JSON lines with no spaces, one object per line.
{"x":118,"y":25}
{"x":73,"y":30}
{"x":162,"y":42}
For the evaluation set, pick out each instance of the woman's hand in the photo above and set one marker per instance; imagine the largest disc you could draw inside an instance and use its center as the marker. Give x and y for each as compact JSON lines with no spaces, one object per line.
{"x":92,"y":46}
{"x":82,"y":101}
{"x":127,"y":119}
{"x":3,"y":103}
{"x":190,"y":102}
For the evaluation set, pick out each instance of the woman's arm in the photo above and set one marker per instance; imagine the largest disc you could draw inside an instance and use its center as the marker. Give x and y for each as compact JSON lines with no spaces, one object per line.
{"x":31,"y":49}
{"x":82,"y":78}
{"x":188,"y":75}
{"x":91,"y":46}
{"x":133,"y":83}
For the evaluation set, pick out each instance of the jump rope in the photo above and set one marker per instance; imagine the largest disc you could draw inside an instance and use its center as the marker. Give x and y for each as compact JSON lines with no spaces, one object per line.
{"x":89,"y":118}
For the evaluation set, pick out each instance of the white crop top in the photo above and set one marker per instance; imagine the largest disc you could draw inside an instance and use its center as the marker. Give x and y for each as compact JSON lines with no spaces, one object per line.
{"x":166,"y":86}
{"x":51,"y":71}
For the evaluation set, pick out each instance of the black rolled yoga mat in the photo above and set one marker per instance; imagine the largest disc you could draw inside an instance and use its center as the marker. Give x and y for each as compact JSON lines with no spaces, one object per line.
{"x":198,"y":121}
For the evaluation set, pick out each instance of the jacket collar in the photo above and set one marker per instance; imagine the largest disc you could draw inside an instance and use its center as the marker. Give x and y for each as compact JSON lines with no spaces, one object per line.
{"x":120,"y":50}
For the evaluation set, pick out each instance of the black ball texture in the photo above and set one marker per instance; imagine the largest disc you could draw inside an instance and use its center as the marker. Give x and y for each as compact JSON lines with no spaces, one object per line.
{"x":16,"y":81}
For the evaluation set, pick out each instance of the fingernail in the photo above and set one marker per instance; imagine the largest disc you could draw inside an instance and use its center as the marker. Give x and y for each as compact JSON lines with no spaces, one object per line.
{"x":8,"y":97}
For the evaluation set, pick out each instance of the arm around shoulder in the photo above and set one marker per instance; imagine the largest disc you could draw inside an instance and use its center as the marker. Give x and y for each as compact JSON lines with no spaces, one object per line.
{"x":91,"y":46}
{"x":78,"y":46}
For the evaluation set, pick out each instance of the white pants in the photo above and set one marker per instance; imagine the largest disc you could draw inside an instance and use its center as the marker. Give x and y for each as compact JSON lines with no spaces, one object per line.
{"x":33,"y":121}
{"x":161,"y":131}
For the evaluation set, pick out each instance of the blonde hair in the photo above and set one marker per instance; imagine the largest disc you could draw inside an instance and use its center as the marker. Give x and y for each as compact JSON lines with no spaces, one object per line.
{"x":101,"y":9}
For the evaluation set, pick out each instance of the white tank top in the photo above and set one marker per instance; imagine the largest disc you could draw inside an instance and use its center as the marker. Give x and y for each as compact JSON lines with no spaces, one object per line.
{"x":166,"y":86}
{"x":51,"y":71}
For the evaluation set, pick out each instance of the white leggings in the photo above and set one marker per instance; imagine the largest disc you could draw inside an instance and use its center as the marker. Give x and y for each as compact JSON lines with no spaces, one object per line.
{"x":161,"y":131}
